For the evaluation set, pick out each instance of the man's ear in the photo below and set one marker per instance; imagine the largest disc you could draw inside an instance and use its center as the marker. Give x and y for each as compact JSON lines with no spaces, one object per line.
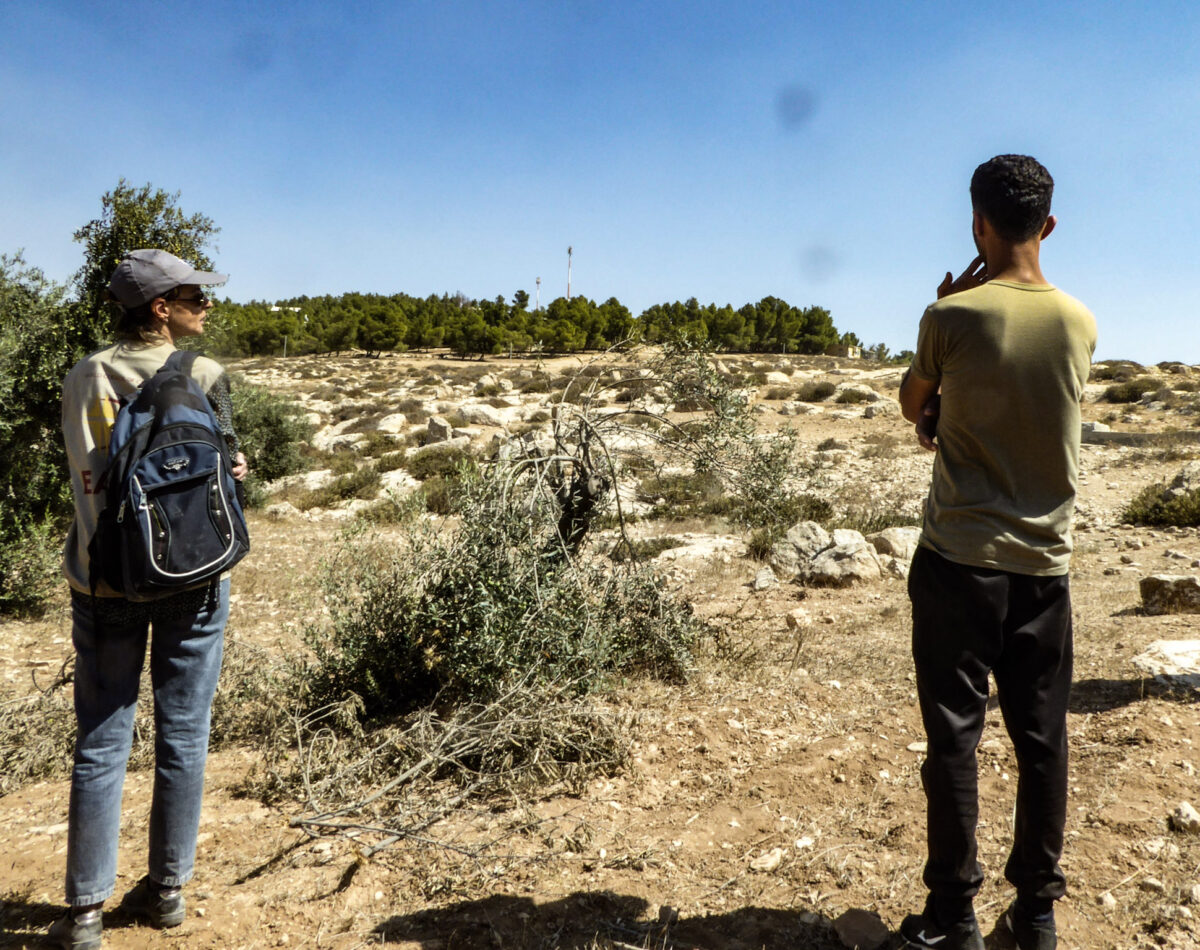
{"x":1051,"y":221}
{"x":978,"y":223}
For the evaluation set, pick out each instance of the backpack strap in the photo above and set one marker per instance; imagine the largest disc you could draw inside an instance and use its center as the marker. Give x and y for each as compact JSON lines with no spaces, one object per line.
{"x":182,"y":360}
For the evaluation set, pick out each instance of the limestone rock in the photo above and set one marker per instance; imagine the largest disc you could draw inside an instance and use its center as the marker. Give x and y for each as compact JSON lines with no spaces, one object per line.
{"x":439,"y":429}
{"x":845,"y":565}
{"x":433,"y":448}
{"x":844,"y":536}
{"x":798,"y":619}
{"x":864,"y":393}
{"x":331,"y":434}
{"x":1171,"y":593}
{"x":808,"y":538}
{"x":883,"y":406}
{"x":1186,"y":819}
{"x":395,"y":422}
{"x":1173,"y":661}
{"x":765,"y":579}
{"x":398,"y":482}
{"x":1188,"y":480}
{"x":898,"y":542}
{"x":861,"y":930}
{"x":768,"y":861}
{"x":791,"y":555}
{"x":308,"y":481}
{"x":776,"y":378}
{"x":482,"y":415}
{"x":282,"y":510}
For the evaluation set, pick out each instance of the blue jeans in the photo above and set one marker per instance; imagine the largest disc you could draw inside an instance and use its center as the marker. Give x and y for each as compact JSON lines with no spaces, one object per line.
{"x":185,"y":661}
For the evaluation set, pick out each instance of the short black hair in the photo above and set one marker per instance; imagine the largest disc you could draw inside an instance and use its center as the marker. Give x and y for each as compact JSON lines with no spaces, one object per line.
{"x":1013,"y":192}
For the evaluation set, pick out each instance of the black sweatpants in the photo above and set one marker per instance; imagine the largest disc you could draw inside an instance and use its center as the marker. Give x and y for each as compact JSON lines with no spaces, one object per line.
{"x":968,"y":621}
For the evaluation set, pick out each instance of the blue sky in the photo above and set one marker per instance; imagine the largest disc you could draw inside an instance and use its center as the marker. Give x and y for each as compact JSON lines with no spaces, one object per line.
{"x":819,"y":152}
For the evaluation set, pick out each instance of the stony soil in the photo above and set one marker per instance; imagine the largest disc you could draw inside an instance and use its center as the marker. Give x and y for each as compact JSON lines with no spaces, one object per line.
{"x":775,"y":791}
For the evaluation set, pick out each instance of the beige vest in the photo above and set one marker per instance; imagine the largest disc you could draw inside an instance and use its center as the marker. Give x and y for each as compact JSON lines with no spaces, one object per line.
{"x":92,"y":395}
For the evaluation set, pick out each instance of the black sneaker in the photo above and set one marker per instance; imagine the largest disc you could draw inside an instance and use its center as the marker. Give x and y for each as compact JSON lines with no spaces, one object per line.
{"x":922,"y":931}
{"x":162,"y":906}
{"x":77,"y":931}
{"x":1031,"y":933}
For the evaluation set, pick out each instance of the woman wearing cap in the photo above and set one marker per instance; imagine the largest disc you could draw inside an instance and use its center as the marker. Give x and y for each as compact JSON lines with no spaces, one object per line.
{"x":161,"y":302}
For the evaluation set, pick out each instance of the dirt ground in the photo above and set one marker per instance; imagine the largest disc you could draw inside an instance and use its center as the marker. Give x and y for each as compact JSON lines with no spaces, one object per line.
{"x":802,"y":741}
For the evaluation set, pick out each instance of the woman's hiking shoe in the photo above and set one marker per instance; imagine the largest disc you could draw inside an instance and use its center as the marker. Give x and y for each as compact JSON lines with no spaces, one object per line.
{"x":77,"y":931}
{"x":162,"y":906}
{"x":923,"y":931}
{"x":1031,"y":932}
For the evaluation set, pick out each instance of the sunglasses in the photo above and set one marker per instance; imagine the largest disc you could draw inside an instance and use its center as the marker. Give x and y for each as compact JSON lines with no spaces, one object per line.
{"x":201,"y":299}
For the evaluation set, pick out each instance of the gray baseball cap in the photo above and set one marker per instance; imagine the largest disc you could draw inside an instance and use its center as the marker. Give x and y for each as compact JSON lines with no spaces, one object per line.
{"x":149,"y":273}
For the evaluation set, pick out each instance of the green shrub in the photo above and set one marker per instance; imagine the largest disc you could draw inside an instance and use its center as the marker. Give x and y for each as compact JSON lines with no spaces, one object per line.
{"x":466,"y":615}
{"x":643,"y":549}
{"x":271,"y":429}
{"x":852,"y":397}
{"x":1118,"y":370}
{"x":390,"y":462}
{"x":438,"y":462}
{"x":760,"y":543}
{"x":378,"y":443}
{"x":1132,"y":390}
{"x":631,"y":390}
{"x":779,"y":392}
{"x":30,"y":555}
{"x":1153,"y":506}
{"x":536,"y":384}
{"x":362,"y":483}
{"x":816,"y":391}
{"x":681,"y":495}
{"x":394,"y":509}
{"x":437,"y":494}
{"x":42,"y":334}
{"x":341,"y":460}
{"x":573,"y":393}
{"x":868,"y":519}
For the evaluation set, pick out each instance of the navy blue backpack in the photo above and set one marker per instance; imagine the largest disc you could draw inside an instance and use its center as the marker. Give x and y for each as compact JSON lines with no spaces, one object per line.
{"x":171,"y":518}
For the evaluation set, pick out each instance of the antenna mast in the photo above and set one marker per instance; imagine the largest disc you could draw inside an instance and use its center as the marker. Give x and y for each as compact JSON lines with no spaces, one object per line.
{"x":568,"y":272}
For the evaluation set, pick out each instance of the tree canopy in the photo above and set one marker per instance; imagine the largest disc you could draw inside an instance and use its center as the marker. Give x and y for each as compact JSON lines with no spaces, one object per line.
{"x":130,"y":218}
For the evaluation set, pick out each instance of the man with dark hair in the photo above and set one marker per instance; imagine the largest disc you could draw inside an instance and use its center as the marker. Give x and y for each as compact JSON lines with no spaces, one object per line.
{"x":994,"y":388}
{"x":161,"y":302}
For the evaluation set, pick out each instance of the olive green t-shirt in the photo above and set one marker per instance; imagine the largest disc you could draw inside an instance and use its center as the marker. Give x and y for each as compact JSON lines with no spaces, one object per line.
{"x":1012,"y":360}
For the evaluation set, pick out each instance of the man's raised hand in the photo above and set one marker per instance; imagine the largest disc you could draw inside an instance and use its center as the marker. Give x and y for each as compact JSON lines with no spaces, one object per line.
{"x":973,"y":276}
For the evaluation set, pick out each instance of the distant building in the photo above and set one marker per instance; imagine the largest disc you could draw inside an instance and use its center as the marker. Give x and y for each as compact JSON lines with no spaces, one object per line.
{"x":846,"y":352}
{"x":275,"y":309}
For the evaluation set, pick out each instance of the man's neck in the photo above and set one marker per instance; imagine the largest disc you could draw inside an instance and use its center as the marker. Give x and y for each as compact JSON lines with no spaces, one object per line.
{"x":1015,"y":262}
